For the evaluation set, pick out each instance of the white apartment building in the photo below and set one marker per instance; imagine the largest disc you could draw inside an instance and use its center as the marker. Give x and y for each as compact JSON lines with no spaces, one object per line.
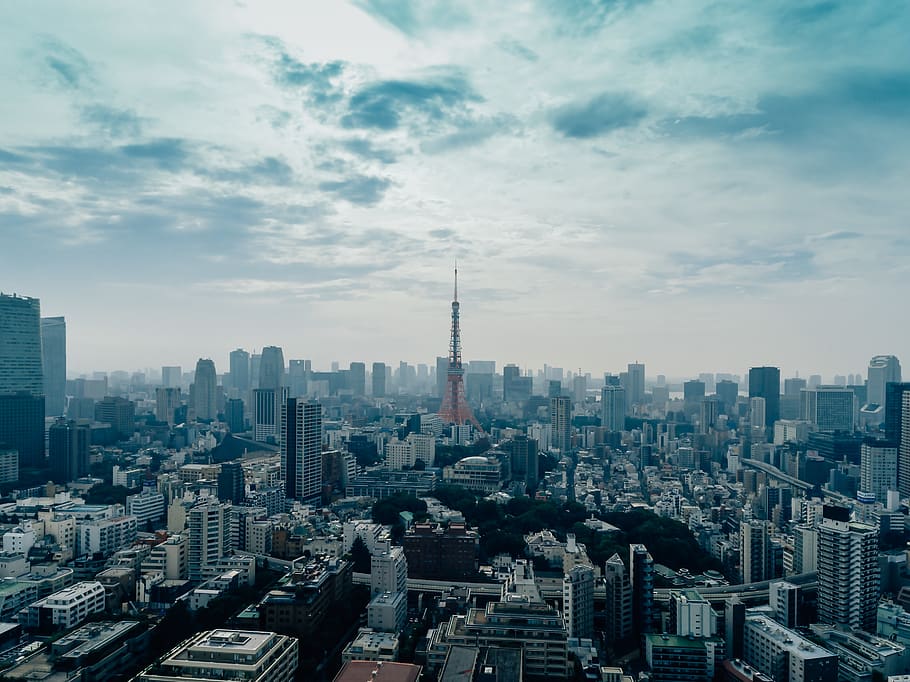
{"x":578,"y":602}
{"x":105,"y":535}
{"x":402,"y":454}
{"x":64,"y":609}
{"x":169,"y":558}
{"x":783,"y":654}
{"x":388,"y":611}
{"x":228,"y":654}
{"x":389,"y":571}
{"x":146,"y":506}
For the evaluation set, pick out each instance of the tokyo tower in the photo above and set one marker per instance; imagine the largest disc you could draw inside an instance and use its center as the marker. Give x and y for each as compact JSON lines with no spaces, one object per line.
{"x":455,"y":408}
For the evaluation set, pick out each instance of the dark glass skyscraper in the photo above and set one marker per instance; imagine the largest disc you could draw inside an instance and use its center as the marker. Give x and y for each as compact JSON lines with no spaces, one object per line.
{"x":20,"y":345}
{"x":378,"y":380}
{"x":22,"y":427}
{"x":301,"y":449}
{"x":53,"y":360}
{"x":764,"y":382}
{"x":231,"y":483}
{"x":68,"y":450}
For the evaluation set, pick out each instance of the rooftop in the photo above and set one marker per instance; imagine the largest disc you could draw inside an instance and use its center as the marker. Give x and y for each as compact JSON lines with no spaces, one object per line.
{"x":385,"y":671}
{"x":675,"y":641}
{"x":247,"y":641}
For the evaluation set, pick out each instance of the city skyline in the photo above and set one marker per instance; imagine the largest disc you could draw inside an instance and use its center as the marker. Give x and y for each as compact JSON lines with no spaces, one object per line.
{"x":692,"y":186}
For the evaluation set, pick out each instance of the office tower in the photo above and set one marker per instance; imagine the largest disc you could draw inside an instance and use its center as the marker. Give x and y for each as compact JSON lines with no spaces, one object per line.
{"x":613,"y":408}
{"x":255,"y":361}
{"x":848,"y":573}
{"x":231,"y":486}
{"x":578,"y":601}
{"x":523,"y":459}
{"x":171,"y":377}
{"x":878,"y":469}
{"x":233,"y":415}
{"x":789,"y":401}
{"x":266,"y":420}
{"x":167,"y":400}
{"x":509,"y":374}
{"x":378,"y":380}
{"x":693,"y":392}
{"x":119,"y":412}
{"x":618,"y":601}
{"x":68,"y":444}
{"x":208,"y":535}
{"x":764,"y":382}
{"x":829,"y":408}
{"x":883,"y":369}
{"x":757,"y":411}
{"x":691,"y":615}
{"x":358,"y":378}
{"x":240,"y":371}
{"x":894,"y":393}
{"x":554,"y":388}
{"x":903,"y":454}
{"x":298,"y":377}
{"x":204,"y":389}
{"x":53,"y":360}
{"x":301,"y":449}
{"x":271,"y":368}
{"x":561,"y":422}
{"x":22,"y":427}
{"x":815,"y":380}
{"x":579,"y":388}
{"x":710,"y":411}
{"x":20,"y":345}
{"x":455,"y":409}
{"x":794,"y":385}
{"x":755,"y":551}
{"x":636,"y":383}
{"x":442,"y":370}
{"x":727,"y":391}
{"x":641,"y":576}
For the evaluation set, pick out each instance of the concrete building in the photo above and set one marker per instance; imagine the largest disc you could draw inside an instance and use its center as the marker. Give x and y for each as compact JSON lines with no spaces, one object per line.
{"x":404,"y":454}
{"x":68,"y":447}
{"x":578,"y":602}
{"x":436,"y":553}
{"x":208,"y":536}
{"x":167,"y":400}
{"x":672,"y":658}
{"x":641,"y":577}
{"x":561,"y":422}
{"x":878,"y":469}
{"x":388,"y":571}
{"x":477,"y":472}
{"x":691,"y":615}
{"x":371,"y":645}
{"x":883,"y":369}
{"x":168,"y":558}
{"x":147,"y":506}
{"x":9,"y":465}
{"x":783,"y":654}
{"x":65,"y":609}
{"x":618,"y":602}
{"x":119,"y":412}
{"x":388,"y":612}
{"x":829,"y":408}
{"x":848,"y":574}
{"x":105,"y":536}
{"x":301,"y":449}
{"x":227,"y":654}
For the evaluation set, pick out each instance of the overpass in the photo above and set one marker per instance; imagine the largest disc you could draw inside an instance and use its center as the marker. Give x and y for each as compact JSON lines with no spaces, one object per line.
{"x":774,"y":472}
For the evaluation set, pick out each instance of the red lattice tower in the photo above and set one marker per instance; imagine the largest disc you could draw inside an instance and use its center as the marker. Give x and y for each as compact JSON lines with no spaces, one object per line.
{"x":455,"y":408}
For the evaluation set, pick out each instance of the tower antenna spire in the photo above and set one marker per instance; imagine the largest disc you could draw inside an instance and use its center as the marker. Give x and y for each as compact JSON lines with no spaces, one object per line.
{"x":456,"y":279}
{"x":455,"y":408}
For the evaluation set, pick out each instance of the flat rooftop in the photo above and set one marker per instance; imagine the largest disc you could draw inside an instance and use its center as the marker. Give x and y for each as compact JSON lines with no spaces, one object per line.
{"x":247,"y":641}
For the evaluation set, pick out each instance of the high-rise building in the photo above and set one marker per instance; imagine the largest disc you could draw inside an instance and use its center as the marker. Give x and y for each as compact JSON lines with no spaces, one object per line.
{"x":561,"y":422}
{"x":378,"y":380}
{"x":171,"y":376}
{"x":266,"y":420}
{"x":209,"y":535}
{"x":301,"y":449}
{"x":618,"y":602}
{"x":53,"y":360}
{"x":894,"y":392}
{"x":523,"y":453}
{"x":784,"y":602}
{"x":728,"y":392}
{"x":710,"y":411}
{"x":255,"y":361}
{"x":20,"y":345}
{"x":509,"y":374}
{"x":119,"y":412}
{"x":388,"y":571}
{"x":613,"y":408}
{"x":878,"y":469}
{"x":636,"y":383}
{"x":829,"y":408}
{"x":442,"y":370}
{"x":68,"y":444}
{"x":271,"y":368}
{"x":693,"y":393}
{"x":204,"y":392}
{"x":578,"y":601}
{"x":231,"y":486}
{"x":764,"y":382}
{"x":755,"y":551}
{"x":167,"y":400}
{"x":22,"y":427}
{"x":357,"y":377}
{"x":691,"y":615}
{"x":641,"y":576}
{"x":903,"y":453}
{"x":234,"y":415}
{"x":757,"y":411}
{"x":883,"y":369}
{"x":848,"y":573}
{"x":240,"y":371}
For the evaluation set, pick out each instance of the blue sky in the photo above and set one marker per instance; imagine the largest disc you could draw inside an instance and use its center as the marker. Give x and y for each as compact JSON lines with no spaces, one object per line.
{"x":698,"y":185}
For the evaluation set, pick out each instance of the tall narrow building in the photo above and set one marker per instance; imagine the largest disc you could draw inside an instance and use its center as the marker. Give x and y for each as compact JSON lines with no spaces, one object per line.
{"x":209,"y":531}
{"x":378,"y":380}
{"x":240,"y":371}
{"x":561,"y":422}
{"x":578,"y":601}
{"x":618,"y":603}
{"x":641,"y":576}
{"x":636,"y":383}
{"x":167,"y":400}
{"x":903,"y":454}
{"x":231,"y":483}
{"x":764,"y":382}
{"x":301,"y":449}
{"x":848,"y":574}
{"x":357,"y":376}
{"x":205,"y":386}
{"x":20,"y":345}
{"x":613,"y":408}
{"x":68,"y":444}
{"x":271,"y":368}
{"x":53,"y":360}
{"x":883,"y":370}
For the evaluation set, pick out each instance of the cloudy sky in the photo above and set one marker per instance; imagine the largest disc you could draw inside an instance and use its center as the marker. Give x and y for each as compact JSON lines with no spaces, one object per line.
{"x":701,"y":186}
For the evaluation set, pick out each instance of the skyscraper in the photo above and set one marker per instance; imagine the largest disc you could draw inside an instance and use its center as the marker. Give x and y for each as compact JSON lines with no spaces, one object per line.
{"x":68,"y":449}
{"x":378,"y":380}
{"x":641,"y":576}
{"x":636,"y":383}
{"x":830,"y":408}
{"x":233,"y":415}
{"x":301,"y":449}
{"x":848,"y":575}
{"x":883,"y":369}
{"x":903,"y":454}
{"x":204,"y":390}
{"x":509,"y":374}
{"x":613,"y":408}
{"x":20,"y":345}
{"x":119,"y":412}
{"x":231,"y":483}
{"x":167,"y":400}
{"x":53,"y":360}
{"x":240,"y":371}
{"x":561,"y":422}
{"x":22,"y":426}
{"x":878,"y":468}
{"x":727,"y":391}
{"x":266,"y":420}
{"x":171,"y":376}
{"x":358,"y":378}
{"x":764,"y":382}
{"x":271,"y":368}
{"x":755,"y":551}
{"x":894,"y":405}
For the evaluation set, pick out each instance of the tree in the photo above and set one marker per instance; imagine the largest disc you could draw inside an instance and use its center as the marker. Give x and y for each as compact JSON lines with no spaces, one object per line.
{"x":360,"y":556}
